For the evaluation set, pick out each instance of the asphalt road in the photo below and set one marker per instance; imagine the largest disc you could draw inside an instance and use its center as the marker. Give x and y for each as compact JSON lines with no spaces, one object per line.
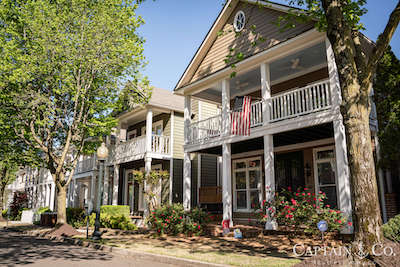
{"x":20,"y":250}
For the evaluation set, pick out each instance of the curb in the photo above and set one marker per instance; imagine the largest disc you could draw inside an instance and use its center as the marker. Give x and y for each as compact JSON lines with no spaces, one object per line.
{"x":125,"y":252}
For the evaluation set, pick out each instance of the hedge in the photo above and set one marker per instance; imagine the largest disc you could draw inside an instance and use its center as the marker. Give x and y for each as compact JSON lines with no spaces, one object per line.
{"x":115,"y":210}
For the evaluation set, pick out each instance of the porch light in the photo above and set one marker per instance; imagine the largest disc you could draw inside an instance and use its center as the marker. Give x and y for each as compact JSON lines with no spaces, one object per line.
{"x":102,"y":152}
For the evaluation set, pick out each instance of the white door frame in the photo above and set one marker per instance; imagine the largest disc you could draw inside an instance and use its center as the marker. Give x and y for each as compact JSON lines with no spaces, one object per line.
{"x":259,"y":186}
{"x":316,"y":161}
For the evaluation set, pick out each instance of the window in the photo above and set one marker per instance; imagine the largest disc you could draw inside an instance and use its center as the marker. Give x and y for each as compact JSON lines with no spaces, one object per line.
{"x":239,"y":21}
{"x":132,"y":134}
{"x":157,"y":128}
{"x":247,"y":184}
{"x":325,"y":174}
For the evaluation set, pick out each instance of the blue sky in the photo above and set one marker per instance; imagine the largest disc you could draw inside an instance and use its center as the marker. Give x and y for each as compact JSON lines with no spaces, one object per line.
{"x":174,"y":30}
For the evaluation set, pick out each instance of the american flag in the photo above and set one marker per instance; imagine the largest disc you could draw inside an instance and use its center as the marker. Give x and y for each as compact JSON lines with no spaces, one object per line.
{"x":240,"y":116}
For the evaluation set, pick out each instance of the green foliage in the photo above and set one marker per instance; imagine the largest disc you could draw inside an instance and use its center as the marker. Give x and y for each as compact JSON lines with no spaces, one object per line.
{"x":391,"y":229}
{"x":43,"y":210}
{"x":301,"y":209}
{"x":76,"y":217}
{"x":4,"y":213}
{"x":115,"y":210}
{"x":121,"y":222}
{"x":387,"y":100}
{"x":173,"y":220}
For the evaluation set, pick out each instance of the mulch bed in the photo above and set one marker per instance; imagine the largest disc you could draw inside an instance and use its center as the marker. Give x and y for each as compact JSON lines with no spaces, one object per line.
{"x":65,"y":230}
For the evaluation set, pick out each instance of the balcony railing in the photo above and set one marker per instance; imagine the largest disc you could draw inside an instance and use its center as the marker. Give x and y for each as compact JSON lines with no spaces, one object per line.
{"x":312,"y":98}
{"x":160,"y":144}
{"x":85,"y":165}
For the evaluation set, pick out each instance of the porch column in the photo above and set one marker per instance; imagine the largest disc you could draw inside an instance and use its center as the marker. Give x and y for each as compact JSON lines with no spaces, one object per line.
{"x":92,"y":192}
{"x":187,"y":173}
{"x":343,"y":174}
{"x":106,"y":185}
{"x":265,"y":91}
{"x":187,"y":168}
{"x":227,"y":182}
{"x":381,"y":178}
{"x":52,"y":196}
{"x":187,"y":114}
{"x":116,"y":184}
{"x":147,"y":160}
{"x":226,"y":97}
{"x":171,"y":161}
{"x":333,"y":78}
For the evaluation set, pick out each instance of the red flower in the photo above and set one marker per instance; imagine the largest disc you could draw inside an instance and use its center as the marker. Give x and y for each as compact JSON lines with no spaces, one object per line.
{"x":289,"y":188}
{"x":320,"y":192}
{"x":287,"y":216}
{"x":198,"y":227}
{"x":297,"y":194}
{"x":339,"y":221}
{"x":303,"y":194}
{"x":305,"y":188}
{"x":328,"y":206}
{"x":309,"y":194}
{"x":349,"y":223}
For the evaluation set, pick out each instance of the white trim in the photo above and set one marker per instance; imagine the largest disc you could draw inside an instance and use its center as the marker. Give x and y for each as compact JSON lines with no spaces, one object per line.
{"x":248,"y":190}
{"x":198,"y":176}
{"x":171,"y":162}
{"x":334,"y":169}
{"x":320,"y":142}
{"x":239,"y":25}
{"x":153,"y":127}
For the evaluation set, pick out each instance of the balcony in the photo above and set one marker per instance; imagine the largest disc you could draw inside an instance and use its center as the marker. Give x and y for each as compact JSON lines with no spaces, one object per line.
{"x":291,"y":104}
{"x":136,"y":148}
{"x":85,"y":165}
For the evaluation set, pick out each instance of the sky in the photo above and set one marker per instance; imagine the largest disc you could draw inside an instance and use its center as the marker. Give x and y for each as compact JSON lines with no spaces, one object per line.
{"x":174,"y":29}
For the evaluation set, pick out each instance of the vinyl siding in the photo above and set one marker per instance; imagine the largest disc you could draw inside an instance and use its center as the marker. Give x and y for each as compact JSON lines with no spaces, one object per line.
{"x":263,"y":19}
{"x":178,"y":136}
{"x":208,"y":110}
{"x":195,"y":109}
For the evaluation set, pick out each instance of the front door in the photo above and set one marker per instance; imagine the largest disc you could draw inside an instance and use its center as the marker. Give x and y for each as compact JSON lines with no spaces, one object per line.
{"x":289,"y":170}
{"x":247,"y":184}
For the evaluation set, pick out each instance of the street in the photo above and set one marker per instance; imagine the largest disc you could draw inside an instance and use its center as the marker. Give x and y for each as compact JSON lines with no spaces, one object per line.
{"x":21,"y":250}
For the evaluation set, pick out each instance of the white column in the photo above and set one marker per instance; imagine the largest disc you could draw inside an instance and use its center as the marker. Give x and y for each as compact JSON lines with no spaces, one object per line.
{"x":227,"y":183}
{"x":343,"y":174}
{"x":48,"y":189}
{"x":92,"y":192}
{"x":381,"y":178}
{"x":171,"y":161}
{"x":52,"y":196}
{"x":269,"y":174}
{"x":333,"y":78}
{"x":106,"y":185}
{"x":187,"y":169}
{"x":116,"y":184}
{"x":149,"y":126}
{"x":187,"y":114}
{"x":265,"y":91}
{"x":226,"y":97}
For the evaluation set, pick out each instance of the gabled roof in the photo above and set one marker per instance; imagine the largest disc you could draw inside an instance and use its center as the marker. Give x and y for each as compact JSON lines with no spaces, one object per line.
{"x":212,"y":34}
{"x":166,"y":99}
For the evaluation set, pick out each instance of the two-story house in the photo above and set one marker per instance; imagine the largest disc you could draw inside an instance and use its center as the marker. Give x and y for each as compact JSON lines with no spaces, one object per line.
{"x":148,"y":137}
{"x":297,"y":138}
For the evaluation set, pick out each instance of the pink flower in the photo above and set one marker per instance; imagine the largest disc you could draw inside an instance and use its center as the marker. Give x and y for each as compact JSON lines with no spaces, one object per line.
{"x":309,"y":194}
{"x":297,"y":194}
{"x":328,"y":206}
{"x":339,"y":221}
{"x":349,"y":223}
{"x":305,"y":188}
{"x":303,"y":194}
{"x":198,"y":227}
{"x":320,"y":192}
{"x":287,"y":216}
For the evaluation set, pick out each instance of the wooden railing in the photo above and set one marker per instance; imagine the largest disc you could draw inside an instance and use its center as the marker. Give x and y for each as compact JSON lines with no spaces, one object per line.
{"x":205,"y":129}
{"x":297,"y":102}
{"x":309,"y":99}
{"x":210,"y":195}
{"x":85,"y":165}
{"x":160,"y":144}
{"x":129,"y":148}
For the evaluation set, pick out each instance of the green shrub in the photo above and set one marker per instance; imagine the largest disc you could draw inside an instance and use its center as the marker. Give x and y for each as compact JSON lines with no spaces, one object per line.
{"x":76,"y":217}
{"x":115,"y":210}
{"x":43,"y":210}
{"x":391,"y":229}
{"x":172,"y":220}
{"x":4,"y":213}
{"x":121,"y":222}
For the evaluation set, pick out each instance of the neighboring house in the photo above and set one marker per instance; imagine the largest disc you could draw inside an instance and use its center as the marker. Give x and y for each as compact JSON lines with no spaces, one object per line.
{"x":297,"y":137}
{"x":149,"y":137}
{"x":37,"y":183}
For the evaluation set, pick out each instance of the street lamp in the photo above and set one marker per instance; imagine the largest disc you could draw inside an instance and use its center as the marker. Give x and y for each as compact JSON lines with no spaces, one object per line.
{"x":102,"y":154}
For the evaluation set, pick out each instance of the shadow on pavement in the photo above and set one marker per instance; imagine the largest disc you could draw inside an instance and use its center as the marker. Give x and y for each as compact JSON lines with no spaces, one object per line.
{"x":17,"y":249}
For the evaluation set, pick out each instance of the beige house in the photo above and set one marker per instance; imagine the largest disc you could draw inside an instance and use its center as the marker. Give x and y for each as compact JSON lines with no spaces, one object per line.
{"x":297,"y":137}
{"x":149,"y":137}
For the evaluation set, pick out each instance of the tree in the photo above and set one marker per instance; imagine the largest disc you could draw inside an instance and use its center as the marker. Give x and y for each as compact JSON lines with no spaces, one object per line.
{"x":340,"y":19}
{"x":387,"y":99}
{"x":63,"y":65}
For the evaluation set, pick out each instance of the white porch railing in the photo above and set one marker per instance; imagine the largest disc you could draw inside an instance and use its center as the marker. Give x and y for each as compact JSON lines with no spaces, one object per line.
{"x":309,"y":99}
{"x":312,"y":98}
{"x":129,"y":148}
{"x":85,"y":165}
{"x":160,"y":144}
{"x":205,"y":129}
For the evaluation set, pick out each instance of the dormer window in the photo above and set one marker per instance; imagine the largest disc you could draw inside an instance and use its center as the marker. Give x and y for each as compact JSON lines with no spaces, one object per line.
{"x":239,"y":21}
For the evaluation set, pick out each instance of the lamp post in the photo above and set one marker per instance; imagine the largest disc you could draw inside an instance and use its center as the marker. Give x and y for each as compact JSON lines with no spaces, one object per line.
{"x":102,"y":154}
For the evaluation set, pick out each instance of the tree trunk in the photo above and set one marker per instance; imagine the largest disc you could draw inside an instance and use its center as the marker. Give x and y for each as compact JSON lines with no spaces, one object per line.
{"x":362,"y":167}
{"x":61,"y":204}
